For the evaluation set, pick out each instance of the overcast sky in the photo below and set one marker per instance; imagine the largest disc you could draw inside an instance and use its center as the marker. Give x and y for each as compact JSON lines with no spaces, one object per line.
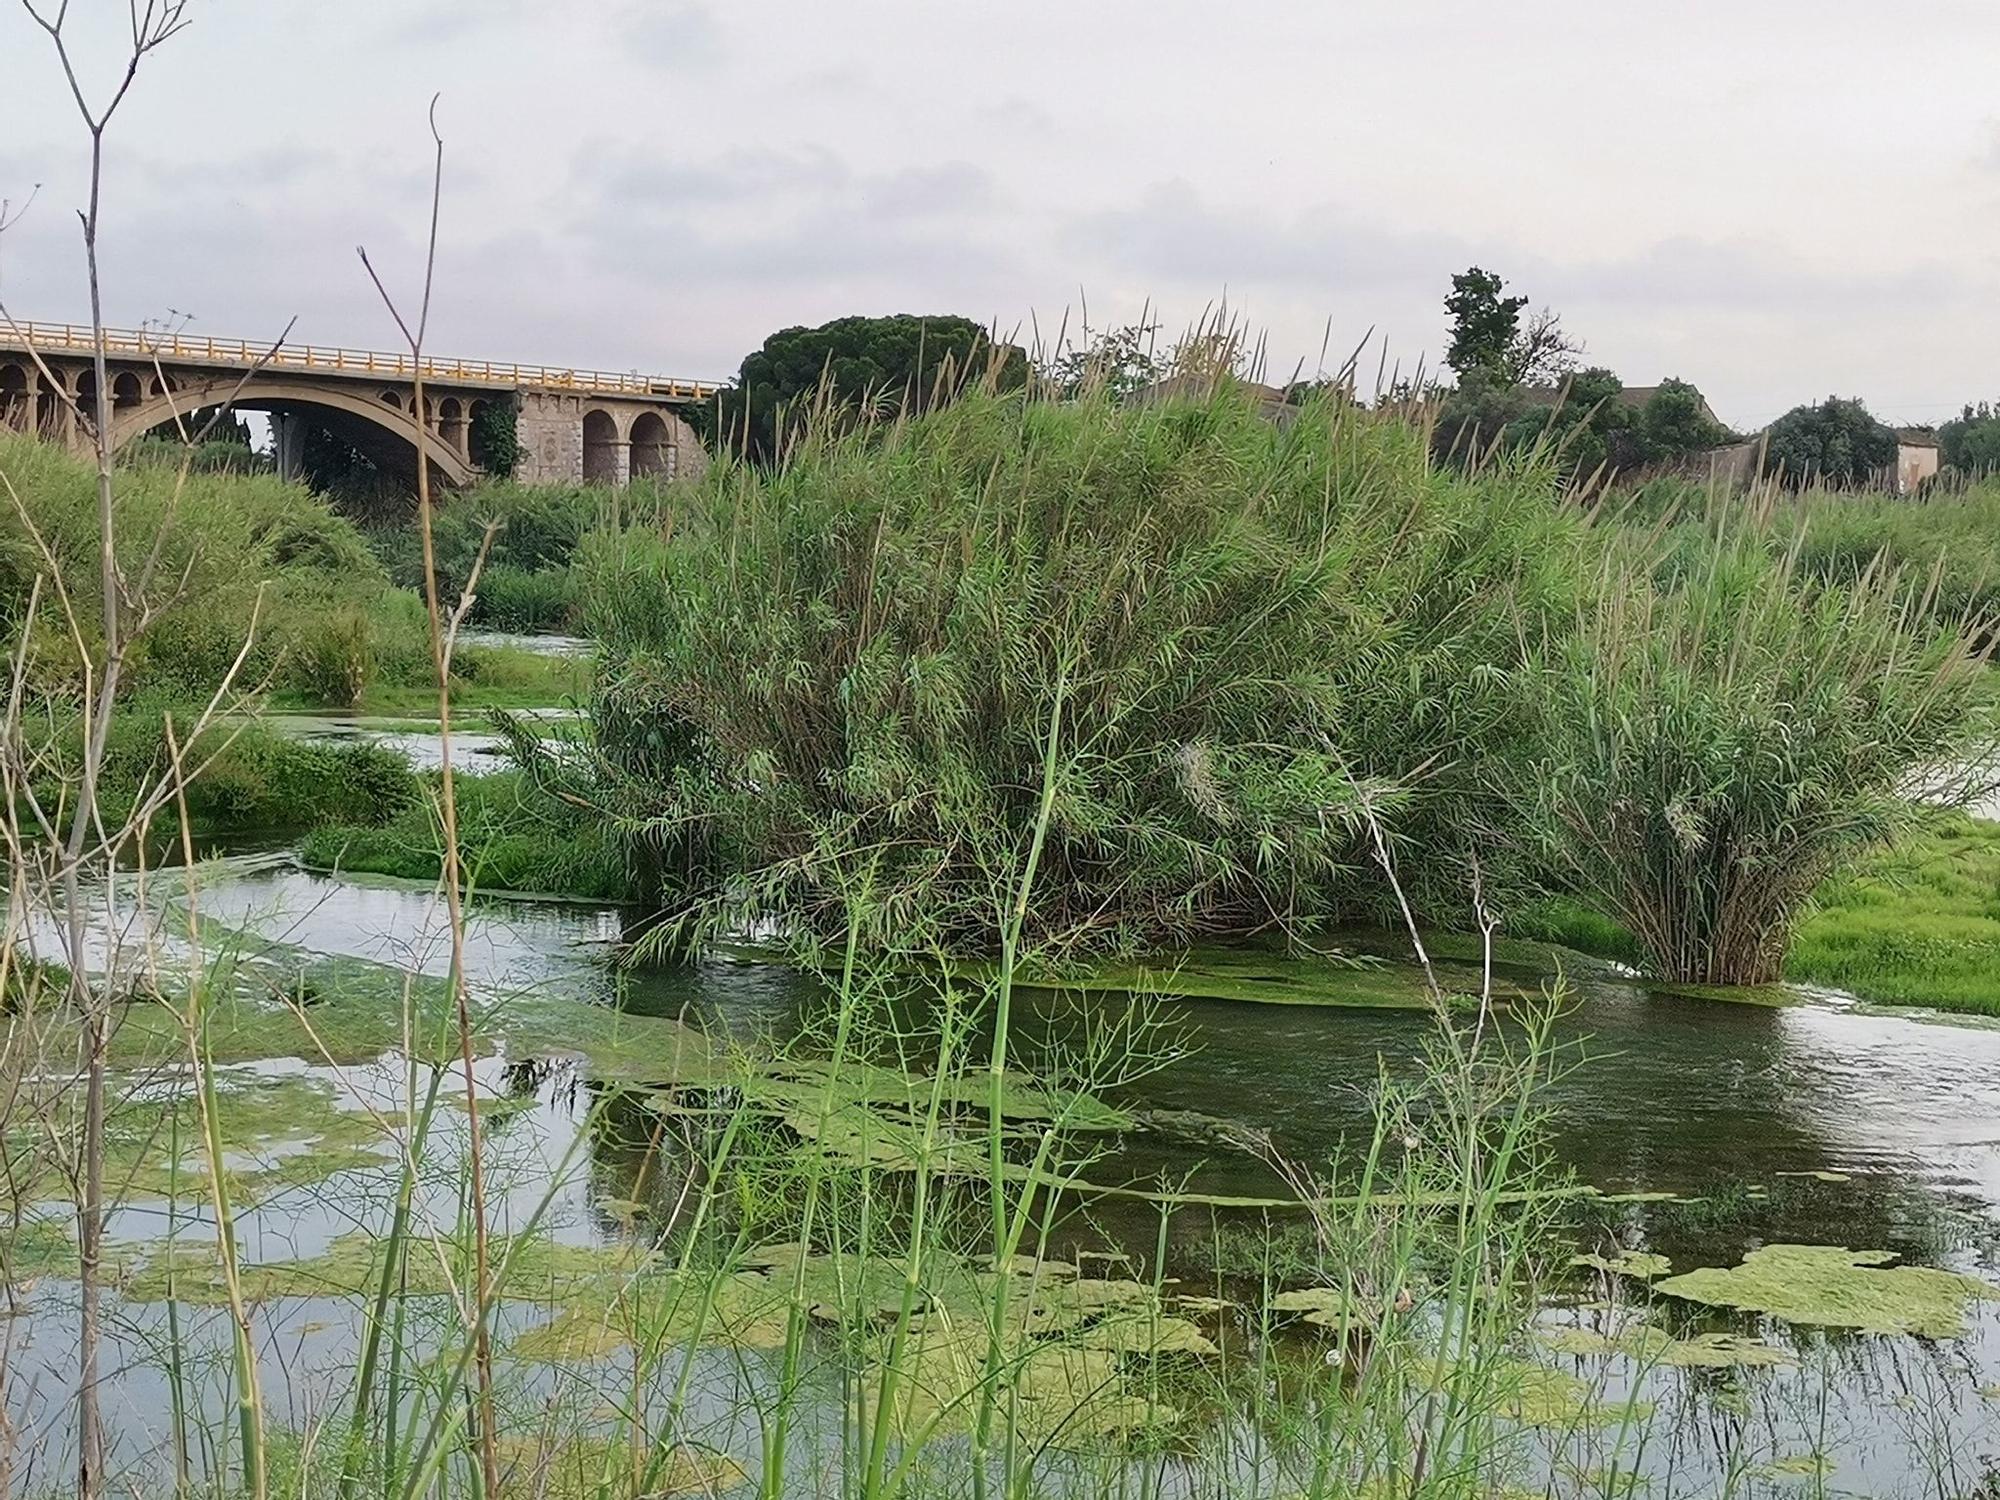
{"x":1776,"y":199}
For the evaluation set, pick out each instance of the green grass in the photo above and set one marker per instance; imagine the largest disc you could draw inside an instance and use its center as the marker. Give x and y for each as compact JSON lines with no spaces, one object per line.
{"x":513,"y":837}
{"x":1919,"y":925}
{"x":482,"y":677}
{"x":1915,"y":924}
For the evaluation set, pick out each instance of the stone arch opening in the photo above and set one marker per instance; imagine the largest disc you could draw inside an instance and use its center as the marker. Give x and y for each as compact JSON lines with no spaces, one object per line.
{"x":603,"y":457}
{"x":451,"y":423}
{"x":127,"y":390}
{"x":391,"y":398}
{"x":652,"y":446}
{"x":15,"y":405}
{"x":381,"y":431}
{"x":52,"y":408}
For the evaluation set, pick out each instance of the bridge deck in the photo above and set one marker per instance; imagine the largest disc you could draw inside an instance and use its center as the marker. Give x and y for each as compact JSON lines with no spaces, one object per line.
{"x":360,"y":364}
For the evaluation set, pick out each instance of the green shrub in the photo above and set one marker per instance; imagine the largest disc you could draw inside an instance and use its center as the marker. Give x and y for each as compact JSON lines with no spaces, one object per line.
{"x":250,"y":775}
{"x":843,"y":673}
{"x":1710,"y":752}
{"x":215,"y":456}
{"x":239,"y":558}
{"x":511,"y":838}
{"x":512,"y":598}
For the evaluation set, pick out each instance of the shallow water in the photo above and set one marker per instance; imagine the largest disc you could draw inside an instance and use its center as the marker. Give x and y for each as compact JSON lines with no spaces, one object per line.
{"x":1818,"y":1122}
{"x":475,"y":749}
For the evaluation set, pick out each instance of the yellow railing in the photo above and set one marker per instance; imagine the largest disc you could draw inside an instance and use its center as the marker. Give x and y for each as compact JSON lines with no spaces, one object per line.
{"x":181,"y":348}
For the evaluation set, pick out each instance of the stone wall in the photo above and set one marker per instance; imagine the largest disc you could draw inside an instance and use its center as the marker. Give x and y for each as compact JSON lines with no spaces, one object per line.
{"x":553,"y":449}
{"x":550,"y":429}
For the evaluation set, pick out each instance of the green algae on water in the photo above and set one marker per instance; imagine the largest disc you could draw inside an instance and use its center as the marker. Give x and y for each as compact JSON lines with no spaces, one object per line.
{"x":1838,"y":1288}
{"x":1253,"y":975}
{"x":277,"y":1133}
{"x":1652,"y":1346}
{"x":1641,"y":1265}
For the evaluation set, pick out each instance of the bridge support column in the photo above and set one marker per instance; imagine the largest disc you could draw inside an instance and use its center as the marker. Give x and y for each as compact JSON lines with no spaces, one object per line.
{"x":288,"y":445}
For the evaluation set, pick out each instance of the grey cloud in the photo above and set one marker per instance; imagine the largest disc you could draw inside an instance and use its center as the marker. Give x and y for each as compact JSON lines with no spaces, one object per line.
{"x":630,"y":178}
{"x":665,"y":34}
{"x":1171,"y":232}
{"x":919,"y":192}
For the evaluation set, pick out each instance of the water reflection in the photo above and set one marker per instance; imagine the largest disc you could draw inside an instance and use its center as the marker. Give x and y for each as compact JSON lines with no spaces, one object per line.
{"x":1814,"y":1123}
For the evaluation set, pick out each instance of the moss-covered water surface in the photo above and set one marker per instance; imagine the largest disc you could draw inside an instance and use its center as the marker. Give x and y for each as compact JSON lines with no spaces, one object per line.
{"x":1782,"y":1211}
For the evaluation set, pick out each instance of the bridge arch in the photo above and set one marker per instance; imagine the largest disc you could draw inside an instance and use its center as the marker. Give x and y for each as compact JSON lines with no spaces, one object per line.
{"x":652,"y":446}
{"x":16,"y":402}
{"x":603,"y":458}
{"x":375,"y":423}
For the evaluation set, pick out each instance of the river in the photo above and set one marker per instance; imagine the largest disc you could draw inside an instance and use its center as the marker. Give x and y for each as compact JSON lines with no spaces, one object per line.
{"x":1820,"y":1122}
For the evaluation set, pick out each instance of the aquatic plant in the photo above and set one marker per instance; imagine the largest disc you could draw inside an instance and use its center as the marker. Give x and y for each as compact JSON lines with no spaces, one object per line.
{"x":850,"y":663}
{"x":1710,"y":753}
{"x":515,"y":838}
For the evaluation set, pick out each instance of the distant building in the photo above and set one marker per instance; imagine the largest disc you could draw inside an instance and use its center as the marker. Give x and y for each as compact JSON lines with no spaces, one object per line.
{"x":1638,"y":395}
{"x":1916,"y":460}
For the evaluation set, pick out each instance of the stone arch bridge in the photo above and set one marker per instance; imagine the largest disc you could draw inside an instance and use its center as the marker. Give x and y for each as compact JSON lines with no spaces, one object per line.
{"x":588,"y":426}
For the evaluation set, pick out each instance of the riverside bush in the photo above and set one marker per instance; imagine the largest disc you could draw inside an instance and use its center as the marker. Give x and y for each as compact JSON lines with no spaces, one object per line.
{"x":526,"y":583}
{"x":257,"y":560}
{"x":843,"y":674}
{"x":1710,"y":752}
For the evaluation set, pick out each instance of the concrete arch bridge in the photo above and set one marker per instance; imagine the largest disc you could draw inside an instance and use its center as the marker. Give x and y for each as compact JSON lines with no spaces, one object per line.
{"x":573,"y":426}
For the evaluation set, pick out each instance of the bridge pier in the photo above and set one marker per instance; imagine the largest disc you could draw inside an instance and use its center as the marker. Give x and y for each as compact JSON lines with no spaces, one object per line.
{"x":288,"y":445}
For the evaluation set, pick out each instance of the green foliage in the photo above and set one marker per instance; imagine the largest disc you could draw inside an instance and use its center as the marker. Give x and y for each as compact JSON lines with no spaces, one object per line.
{"x":240,"y":559}
{"x":214,"y":456}
{"x":1949,"y":540}
{"x":857,"y":367}
{"x":516,"y":599}
{"x":1918,"y":924}
{"x":845,"y":672}
{"x":252,"y":775}
{"x":1970,"y":441}
{"x":525,"y":584}
{"x":332,"y":466}
{"x":1489,"y":341}
{"x":1586,"y":425}
{"x":1116,"y":362}
{"x":511,"y":838}
{"x":1835,"y":443}
{"x":1676,"y":421}
{"x":1713,"y":749}
{"x":1483,"y":324}
{"x":494,"y":437}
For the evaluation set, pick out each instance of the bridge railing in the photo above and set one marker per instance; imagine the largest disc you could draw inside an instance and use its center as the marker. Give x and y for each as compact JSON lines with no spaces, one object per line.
{"x":181,"y":348}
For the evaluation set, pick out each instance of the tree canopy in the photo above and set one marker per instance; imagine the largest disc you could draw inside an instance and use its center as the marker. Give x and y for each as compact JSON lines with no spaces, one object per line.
{"x":1489,"y":340}
{"x":869,"y":366}
{"x":1837,"y":441}
{"x":1971,"y":440}
{"x":1589,"y":422}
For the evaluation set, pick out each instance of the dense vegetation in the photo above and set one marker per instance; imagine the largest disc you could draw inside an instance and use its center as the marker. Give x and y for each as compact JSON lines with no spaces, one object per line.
{"x":1519,"y":390}
{"x":1245,"y":641}
{"x":1837,"y":442}
{"x":1711,"y":751}
{"x":525,"y":584}
{"x":1229,"y":639}
{"x":865,"y":368}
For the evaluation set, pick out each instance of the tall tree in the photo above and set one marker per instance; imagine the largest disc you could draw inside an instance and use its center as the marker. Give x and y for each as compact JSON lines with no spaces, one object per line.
{"x":1836,"y":442}
{"x":864,"y":366}
{"x":1971,"y":440}
{"x":1484,"y":324}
